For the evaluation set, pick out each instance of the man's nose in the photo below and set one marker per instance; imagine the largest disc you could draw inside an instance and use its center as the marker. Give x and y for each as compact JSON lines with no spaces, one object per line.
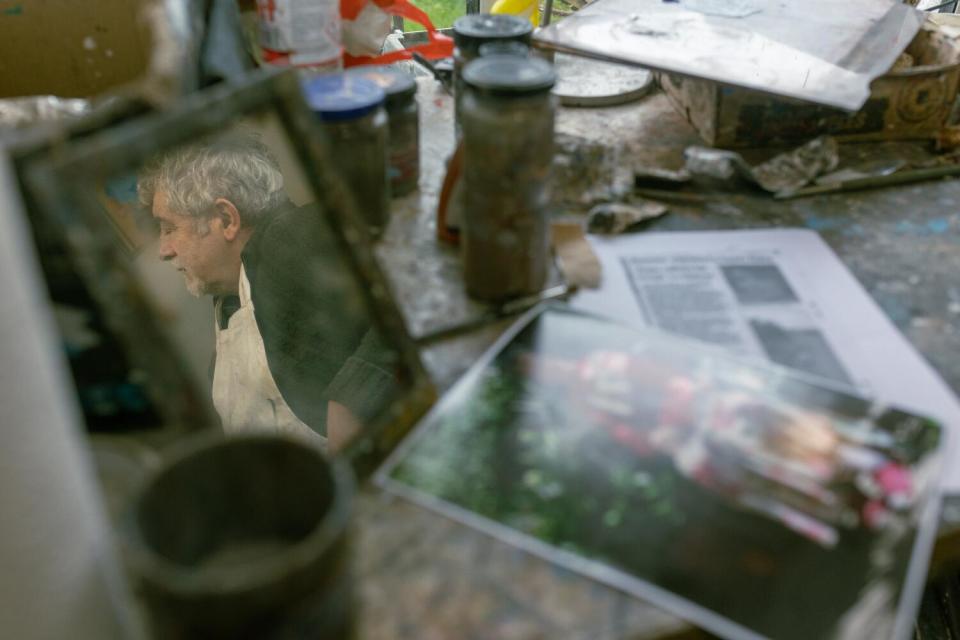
{"x":165,"y":251}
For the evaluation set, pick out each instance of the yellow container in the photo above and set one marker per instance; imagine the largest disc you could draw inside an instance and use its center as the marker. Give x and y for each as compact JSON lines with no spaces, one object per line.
{"x":529,"y":9}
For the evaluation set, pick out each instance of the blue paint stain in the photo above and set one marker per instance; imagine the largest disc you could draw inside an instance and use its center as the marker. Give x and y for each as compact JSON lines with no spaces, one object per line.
{"x":939,"y":225}
{"x":930,"y":227}
{"x":895,"y":310}
{"x":815,"y":222}
{"x":854,"y":231}
{"x":15,"y":10}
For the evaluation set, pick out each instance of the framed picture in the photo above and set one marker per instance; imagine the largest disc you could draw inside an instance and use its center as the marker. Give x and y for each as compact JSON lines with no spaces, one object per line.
{"x":233,"y":193}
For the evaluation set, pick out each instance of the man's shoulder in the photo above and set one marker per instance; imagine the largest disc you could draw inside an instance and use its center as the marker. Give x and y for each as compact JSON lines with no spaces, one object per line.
{"x":291,"y":219}
{"x":291,"y":228}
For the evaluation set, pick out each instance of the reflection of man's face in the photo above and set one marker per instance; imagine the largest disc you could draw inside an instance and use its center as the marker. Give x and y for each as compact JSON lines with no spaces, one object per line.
{"x":204,"y":257}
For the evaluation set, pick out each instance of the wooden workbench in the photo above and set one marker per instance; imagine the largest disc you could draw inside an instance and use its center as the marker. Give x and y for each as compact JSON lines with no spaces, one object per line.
{"x":423,"y":576}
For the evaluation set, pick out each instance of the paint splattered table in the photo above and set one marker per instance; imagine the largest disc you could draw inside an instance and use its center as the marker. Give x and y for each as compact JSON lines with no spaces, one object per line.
{"x":423,"y":576}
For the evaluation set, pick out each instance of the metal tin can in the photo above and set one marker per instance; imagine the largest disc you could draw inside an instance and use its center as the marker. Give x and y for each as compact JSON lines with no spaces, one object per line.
{"x":508,"y":122}
{"x":403,"y":125}
{"x":353,"y":116}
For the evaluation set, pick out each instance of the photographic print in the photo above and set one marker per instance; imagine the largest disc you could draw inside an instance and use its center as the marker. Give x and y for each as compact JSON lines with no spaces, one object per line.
{"x":750,"y":499}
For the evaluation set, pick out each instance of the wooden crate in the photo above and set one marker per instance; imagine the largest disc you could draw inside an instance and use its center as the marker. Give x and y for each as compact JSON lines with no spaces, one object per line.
{"x":913,"y":103}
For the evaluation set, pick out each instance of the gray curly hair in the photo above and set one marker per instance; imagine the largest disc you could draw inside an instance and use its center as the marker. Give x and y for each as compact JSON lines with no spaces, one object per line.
{"x":239,"y":168}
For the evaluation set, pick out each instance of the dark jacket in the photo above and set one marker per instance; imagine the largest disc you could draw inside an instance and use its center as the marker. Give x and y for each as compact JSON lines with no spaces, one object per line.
{"x":314,"y":321}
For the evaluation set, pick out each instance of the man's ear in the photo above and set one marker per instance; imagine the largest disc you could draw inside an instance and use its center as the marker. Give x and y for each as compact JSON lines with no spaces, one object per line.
{"x":228,"y":216}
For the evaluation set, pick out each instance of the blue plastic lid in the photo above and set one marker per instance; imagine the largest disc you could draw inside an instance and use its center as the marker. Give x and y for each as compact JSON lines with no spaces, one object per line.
{"x":397,"y":85}
{"x":338,"y":97}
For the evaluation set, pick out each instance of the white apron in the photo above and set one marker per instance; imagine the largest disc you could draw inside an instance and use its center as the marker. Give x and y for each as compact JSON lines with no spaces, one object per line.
{"x":244,"y":391}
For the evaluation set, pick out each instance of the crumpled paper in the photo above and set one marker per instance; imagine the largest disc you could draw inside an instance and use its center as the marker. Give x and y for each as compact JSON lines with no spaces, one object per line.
{"x":617,"y":217}
{"x":579,"y":264}
{"x":780,"y":175}
{"x":790,"y":171}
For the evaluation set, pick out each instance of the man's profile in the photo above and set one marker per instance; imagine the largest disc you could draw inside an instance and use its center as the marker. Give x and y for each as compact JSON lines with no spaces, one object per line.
{"x":295,"y":351}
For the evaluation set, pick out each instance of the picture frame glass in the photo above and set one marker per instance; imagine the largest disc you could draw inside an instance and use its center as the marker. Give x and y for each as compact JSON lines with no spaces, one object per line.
{"x":225,"y":279}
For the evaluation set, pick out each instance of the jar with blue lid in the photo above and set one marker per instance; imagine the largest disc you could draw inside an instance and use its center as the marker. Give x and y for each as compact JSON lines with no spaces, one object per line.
{"x":402,"y":122}
{"x":351,"y":110}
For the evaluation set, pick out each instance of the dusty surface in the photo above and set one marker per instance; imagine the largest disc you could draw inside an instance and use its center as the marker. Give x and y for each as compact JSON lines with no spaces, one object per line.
{"x":423,"y":576}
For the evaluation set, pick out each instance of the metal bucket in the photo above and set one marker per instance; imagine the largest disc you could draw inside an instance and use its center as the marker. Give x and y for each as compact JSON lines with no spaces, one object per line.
{"x":244,"y":537}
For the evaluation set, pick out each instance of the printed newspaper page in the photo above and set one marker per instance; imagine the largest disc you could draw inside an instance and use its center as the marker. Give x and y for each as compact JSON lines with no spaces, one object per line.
{"x":780,"y":295}
{"x":744,"y":302}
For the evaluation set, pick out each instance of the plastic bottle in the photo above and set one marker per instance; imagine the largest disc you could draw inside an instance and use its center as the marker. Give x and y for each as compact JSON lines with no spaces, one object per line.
{"x":301,"y":33}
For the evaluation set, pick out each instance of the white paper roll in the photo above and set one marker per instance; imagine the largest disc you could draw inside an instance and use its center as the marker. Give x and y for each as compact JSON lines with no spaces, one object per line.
{"x":61,"y":577}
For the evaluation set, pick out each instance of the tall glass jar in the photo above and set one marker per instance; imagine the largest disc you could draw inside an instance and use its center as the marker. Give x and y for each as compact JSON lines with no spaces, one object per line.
{"x":352,"y":113}
{"x":471,"y":31}
{"x":508,"y":122}
{"x":403,"y":124}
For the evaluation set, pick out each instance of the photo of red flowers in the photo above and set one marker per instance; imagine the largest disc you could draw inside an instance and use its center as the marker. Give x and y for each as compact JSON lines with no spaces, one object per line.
{"x":752,"y":500}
